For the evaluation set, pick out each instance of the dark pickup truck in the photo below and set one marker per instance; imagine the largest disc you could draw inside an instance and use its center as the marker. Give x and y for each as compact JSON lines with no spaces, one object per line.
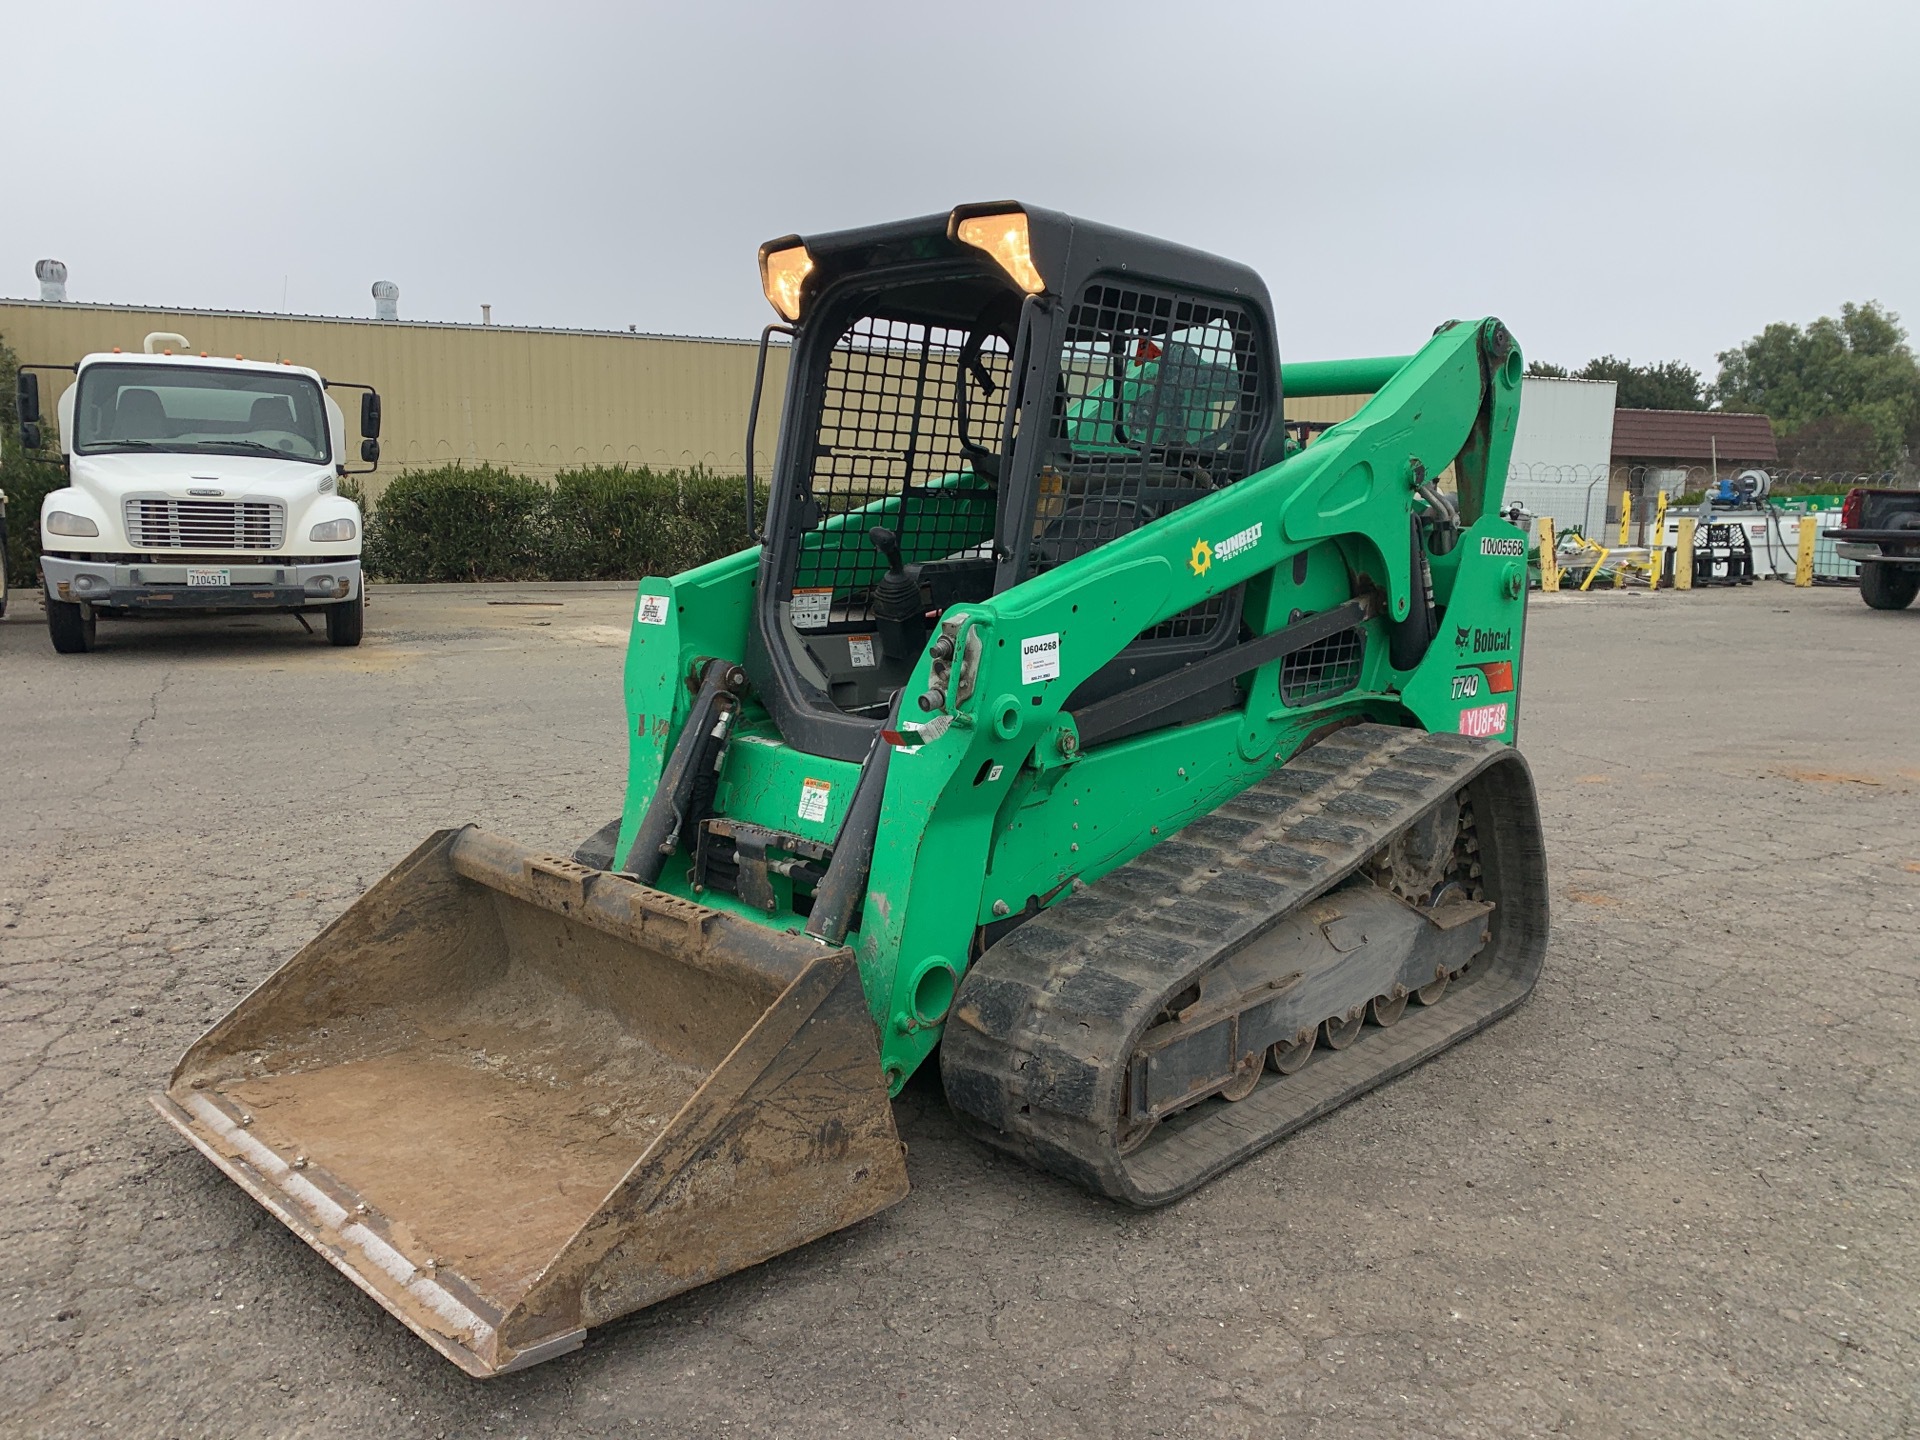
{"x":1881,"y":529}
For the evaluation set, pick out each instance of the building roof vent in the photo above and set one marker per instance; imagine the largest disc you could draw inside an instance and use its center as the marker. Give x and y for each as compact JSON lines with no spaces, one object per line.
{"x":386,"y":300}
{"x":52,"y":275}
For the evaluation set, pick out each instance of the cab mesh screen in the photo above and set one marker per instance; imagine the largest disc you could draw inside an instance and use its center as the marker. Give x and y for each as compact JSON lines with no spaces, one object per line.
{"x":1159,"y":406}
{"x":890,"y":425}
{"x":1323,"y":669}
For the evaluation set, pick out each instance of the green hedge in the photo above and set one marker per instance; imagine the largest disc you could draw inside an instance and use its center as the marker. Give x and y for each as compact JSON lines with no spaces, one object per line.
{"x":25,"y":480}
{"x":453,"y":524}
{"x":25,"y":484}
{"x":456,"y":523}
{"x":610,"y":523}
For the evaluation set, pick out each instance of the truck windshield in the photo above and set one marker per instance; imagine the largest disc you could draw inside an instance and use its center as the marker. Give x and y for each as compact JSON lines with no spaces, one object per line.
{"x":199,"y":410}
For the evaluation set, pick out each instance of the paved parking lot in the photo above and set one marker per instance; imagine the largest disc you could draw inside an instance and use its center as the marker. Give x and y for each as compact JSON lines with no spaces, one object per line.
{"x":1675,"y":1194}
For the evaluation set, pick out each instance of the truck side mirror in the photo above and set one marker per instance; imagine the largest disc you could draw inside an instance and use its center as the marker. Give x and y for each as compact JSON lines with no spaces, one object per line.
{"x":370,"y":451}
{"x":370,"y":417}
{"x":26,"y":389}
{"x":30,"y":435}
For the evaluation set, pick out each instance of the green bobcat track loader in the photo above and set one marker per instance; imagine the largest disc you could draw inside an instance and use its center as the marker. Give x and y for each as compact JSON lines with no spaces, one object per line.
{"x":1075,"y":719}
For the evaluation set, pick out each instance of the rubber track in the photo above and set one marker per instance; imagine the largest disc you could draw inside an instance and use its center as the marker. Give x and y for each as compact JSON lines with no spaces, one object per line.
{"x":1035,"y":1053}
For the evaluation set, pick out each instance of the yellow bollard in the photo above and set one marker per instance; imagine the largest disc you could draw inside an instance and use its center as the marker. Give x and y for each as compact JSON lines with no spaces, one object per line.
{"x":1549,"y":557}
{"x":1657,"y":550}
{"x":1599,"y":562}
{"x":1683,"y":554}
{"x":1803,"y":554}
{"x":1626,"y":521}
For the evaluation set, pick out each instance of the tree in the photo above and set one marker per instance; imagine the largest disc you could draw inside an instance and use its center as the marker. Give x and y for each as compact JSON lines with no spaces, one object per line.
{"x":1670,"y":385}
{"x":1835,"y":444}
{"x":1845,"y":390}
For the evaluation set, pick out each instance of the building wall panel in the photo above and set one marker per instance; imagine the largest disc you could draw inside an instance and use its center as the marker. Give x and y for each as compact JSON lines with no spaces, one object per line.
{"x":537,"y":401}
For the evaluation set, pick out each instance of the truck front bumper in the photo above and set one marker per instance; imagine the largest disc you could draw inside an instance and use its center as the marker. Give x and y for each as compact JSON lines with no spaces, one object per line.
{"x":164,"y":586}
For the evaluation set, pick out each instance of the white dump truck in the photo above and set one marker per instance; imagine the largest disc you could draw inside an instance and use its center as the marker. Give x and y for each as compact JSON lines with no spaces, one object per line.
{"x":198,"y":485}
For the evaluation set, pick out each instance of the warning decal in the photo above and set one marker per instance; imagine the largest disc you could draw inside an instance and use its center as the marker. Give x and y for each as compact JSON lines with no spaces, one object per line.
{"x":811,"y":609}
{"x":813,"y":799}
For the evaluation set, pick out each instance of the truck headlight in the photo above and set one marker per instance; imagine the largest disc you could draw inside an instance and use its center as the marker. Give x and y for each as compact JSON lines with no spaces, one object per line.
{"x":59,"y":522}
{"x":330,"y":532}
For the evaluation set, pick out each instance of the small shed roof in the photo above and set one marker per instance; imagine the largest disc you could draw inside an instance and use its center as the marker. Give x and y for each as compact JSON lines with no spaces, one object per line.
{"x":1692,"y":435}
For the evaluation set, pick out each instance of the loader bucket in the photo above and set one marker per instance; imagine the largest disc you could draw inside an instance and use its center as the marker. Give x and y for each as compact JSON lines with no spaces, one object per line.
{"x":512,"y":1097}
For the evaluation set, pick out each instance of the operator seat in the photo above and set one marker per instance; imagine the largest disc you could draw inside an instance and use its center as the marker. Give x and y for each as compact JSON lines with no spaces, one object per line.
{"x":139,"y":415}
{"x":271,"y":412}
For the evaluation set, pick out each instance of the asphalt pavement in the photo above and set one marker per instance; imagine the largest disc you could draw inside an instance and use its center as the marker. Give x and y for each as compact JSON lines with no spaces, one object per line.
{"x":1674,"y":1194}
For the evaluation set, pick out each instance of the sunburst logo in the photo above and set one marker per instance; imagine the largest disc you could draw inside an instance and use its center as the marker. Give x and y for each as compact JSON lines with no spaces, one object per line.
{"x":1202,"y":558}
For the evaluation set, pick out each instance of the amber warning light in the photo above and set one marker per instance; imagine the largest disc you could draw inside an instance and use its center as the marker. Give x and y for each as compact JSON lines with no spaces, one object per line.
{"x":782,"y":273}
{"x":1005,"y":237}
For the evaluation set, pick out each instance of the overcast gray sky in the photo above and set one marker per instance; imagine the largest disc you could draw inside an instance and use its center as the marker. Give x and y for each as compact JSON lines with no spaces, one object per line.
{"x":1654,"y":180}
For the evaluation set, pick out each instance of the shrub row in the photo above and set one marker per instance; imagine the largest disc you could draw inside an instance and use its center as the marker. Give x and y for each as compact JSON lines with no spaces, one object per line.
{"x":25,"y":482}
{"x":487,"y":523}
{"x":460,"y":523}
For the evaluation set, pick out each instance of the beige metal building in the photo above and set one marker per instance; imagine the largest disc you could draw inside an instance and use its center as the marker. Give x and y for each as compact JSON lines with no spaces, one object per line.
{"x":536,"y":401}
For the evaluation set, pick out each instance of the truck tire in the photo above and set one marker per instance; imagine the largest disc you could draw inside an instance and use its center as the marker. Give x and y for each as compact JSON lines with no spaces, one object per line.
{"x":346,"y":621}
{"x":70,"y":626}
{"x":1888,"y":587}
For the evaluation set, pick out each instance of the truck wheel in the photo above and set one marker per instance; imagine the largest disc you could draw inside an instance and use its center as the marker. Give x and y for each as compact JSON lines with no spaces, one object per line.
{"x":1888,"y":587}
{"x":70,"y":626}
{"x":345,"y":621}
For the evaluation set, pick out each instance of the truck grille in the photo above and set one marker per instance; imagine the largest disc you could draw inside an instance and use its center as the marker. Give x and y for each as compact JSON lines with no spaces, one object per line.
{"x":206,"y":524}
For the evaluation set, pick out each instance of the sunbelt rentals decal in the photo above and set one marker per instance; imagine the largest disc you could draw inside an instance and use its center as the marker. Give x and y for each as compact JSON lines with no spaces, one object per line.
{"x":1205,"y":552}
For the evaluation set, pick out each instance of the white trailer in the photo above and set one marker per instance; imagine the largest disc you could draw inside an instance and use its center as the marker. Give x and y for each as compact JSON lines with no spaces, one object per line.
{"x":198,"y":485}
{"x":1562,"y":452}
